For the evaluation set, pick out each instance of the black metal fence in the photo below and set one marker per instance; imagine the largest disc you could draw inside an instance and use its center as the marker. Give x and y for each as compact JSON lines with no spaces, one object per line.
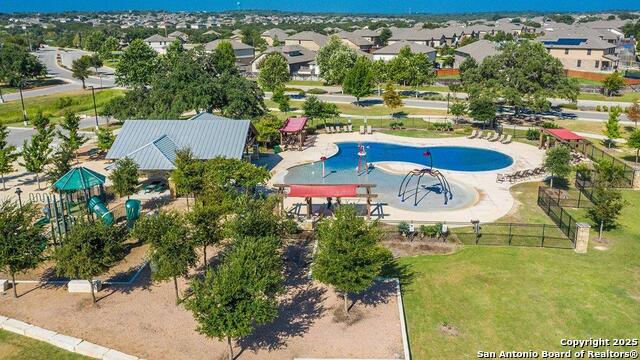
{"x":565,"y":222}
{"x":596,"y":154}
{"x":575,"y":198}
{"x":497,"y":234}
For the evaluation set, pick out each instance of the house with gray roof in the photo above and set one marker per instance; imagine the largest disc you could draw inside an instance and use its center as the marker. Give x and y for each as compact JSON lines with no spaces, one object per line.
{"x":477,"y":50}
{"x":355,"y":41}
{"x":271,"y":35}
{"x":244,"y":53}
{"x":301,"y":61}
{"x":392,"y":50}
{"x":308,"y":39}
{"x":581,"y":50}
{"x":153,"y":144}
{"x":160,"y":43}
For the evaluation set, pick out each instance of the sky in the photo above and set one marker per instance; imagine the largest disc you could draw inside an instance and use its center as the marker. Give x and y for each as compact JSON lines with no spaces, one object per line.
{"x":345,"y":6}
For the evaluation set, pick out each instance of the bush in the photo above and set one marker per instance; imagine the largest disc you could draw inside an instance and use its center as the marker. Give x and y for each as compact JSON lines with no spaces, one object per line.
{"x":431,"y":231}
{"x":434,"y":97}
{"x":572,"y":106}
{"x":605,"y":108}
{"x":63,"y":102}
{"x":550,"y":125}
{"x":598,"y":108}
{"x":396,"y":125}
{"x":533,"y":134}
{"x":316,"y":91}
{"x":403,"y":228}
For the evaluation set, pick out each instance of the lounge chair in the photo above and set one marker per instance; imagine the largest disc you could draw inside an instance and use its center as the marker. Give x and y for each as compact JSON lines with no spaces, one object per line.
{"x":486,"y":136}
{"x":350,"y":128}
{"x":345,"y":129}
{"x":361,"y":129}
{"x":473,"y":135}
{"x":500,"y":178}
{"x":507,"y":140}
{"x":369,"y":130}
{"x":502,"y":137}
{"x":334,"y":130}
{"x":495,"y":137}
{"x":481,"y":135}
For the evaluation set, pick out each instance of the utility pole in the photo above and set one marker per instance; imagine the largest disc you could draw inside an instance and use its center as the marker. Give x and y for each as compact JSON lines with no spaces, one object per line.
{"x":95,"y":108}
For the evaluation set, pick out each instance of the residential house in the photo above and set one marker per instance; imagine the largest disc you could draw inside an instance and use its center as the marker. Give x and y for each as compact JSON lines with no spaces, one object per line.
{"x":302,"y":61}
{"x":160,"y":43}
{"x":355,"y":41}
{"x":244,"y":53}
{"x":307,"y":39}
{"x":368,"y":34}
{"x":392,"y":50}
{"x":581,"y":51}
{"x":271,"y":35}
{"x":179,"y":34}
{"x":477,"y":50}
{"x":153,"y":144}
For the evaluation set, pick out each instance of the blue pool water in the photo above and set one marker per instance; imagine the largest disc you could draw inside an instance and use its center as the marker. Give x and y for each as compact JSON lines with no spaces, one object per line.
{"x":341,"y":168}
{"x":456,"y":158}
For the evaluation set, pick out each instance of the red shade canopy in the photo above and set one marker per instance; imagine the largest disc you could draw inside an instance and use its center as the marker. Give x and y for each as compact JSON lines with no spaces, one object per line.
{"x":323,"y":190}
{"x":564,"y":134}
{"x":292,"y":125}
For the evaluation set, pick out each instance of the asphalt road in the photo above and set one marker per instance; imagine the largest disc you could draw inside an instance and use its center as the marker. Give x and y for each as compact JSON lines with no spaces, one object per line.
{"x":17,"y":135}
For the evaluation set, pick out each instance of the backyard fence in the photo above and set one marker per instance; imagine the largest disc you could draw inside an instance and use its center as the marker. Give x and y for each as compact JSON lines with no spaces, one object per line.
{"x":497,"y":234}
{"x":565,"y":222}
{"x":596,"y":154}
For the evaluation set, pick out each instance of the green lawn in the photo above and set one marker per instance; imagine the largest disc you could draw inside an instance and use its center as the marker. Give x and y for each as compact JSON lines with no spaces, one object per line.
{"x":17,"y":347}
{"x":306,"y":82}
{"x":375,"y":110}
{"x":38,"y":83}
{"x":427,"y":133}
{"x":626,"y":97}
{"x":81,"y":101}
{"x":507,"y":298}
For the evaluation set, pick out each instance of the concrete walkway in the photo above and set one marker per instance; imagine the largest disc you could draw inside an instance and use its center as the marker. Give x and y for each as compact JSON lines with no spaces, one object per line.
{"x":493,"y":199}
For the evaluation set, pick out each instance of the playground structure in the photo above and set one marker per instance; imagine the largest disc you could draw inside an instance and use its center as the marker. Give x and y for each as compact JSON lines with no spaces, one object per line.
{"x":338,"y":191}
{"x":419,"y":174}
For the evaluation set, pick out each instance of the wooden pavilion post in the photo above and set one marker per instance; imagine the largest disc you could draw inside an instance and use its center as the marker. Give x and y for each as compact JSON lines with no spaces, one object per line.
{"x":368,"y":192}
{"x":309,"y":207}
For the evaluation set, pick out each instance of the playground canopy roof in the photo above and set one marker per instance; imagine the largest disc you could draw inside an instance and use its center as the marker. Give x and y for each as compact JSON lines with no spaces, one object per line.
{"x":349,"y":190}
{"x":293,"y":125}
{"x":564,"y":134}
{"x":79,"y":178}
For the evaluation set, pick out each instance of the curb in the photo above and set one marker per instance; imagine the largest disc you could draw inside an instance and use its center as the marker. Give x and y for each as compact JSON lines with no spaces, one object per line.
{"x":69,"y":343}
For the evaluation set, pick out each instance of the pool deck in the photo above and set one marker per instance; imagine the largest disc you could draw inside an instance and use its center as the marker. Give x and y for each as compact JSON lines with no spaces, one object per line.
{"x":493,"y":199}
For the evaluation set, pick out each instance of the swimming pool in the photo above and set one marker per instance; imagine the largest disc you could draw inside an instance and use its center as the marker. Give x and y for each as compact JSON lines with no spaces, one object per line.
{"x":456,"y":158}
{"x":341,"y":168}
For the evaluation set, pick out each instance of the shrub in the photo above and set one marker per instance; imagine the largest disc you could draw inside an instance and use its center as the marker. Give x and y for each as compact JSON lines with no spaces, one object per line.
{"x":572,"y":106}
{"x":533,"y":134}
{"x":430,"y":230}
{"x":598,"y":108}
{"x":549,"y":125}
{"x":403,"y":228}
{"x":605,"y":108}
{"x":396,"y":125}
{"x":434,"y":97}
{"x":290,"y":89}
{"x":63,"y":102}
{"x":316,"y":91}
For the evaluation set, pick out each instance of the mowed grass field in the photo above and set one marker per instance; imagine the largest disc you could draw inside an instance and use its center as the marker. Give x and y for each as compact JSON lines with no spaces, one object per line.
{"x":17,"y":347}
{"x":81,"y":101}
{"x":507,"y":298}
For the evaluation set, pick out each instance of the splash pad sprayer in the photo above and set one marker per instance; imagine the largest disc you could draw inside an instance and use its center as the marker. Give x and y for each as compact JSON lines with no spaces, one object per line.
{"x":362,"y":159}
{"x":323,"y":159}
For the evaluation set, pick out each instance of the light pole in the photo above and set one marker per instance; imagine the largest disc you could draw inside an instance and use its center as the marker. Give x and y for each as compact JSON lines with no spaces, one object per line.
{"x":24,"y":111}
{"x":95,"y":108}
{"x":19,"y":192}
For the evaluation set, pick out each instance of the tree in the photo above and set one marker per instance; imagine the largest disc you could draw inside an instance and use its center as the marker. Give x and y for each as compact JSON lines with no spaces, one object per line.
{"x":80,"y":68}
{"x":412,"y":69}
{"x":60,"y":162}
{"x":334,"y":60}
{"x":612,"y":127}
{"x":95,"y":61}
{"x":385,"y":35}
{"x":458,"y":109}
{"x":349,"y":255}
{"x":70,"y":134}
{"x":137,"y":66}
{"x":273,"y":71}
{"x":281,"y":99}
{"x":224,"y":58}
{"x":105,"y":137}
{"x":613,"y":83}
{"x":268,"y":128}
{"x":17,"y":67}
{"x":241,"y":294}
{"x":108,"y":47}
{"x":379,"y":74}
{"x":125,"y":177}
{"x":88,"y":250}
{"x":633,"y":142}
{"x":22,"y":243}
{"x":35,"y":154}
{"x":316,"y":109}
{"x":633,"y":112}
{"x":93,"y":40}
{"x":607,"y":199}
{"x":172,"y":253}
{"x":558,"y":162}
{"x":482,"y":107}
{"x":524,"y":74}
{"x":188,"y":175}
{"x":391,"y":97}
{"x":243,"y":98}
{"x":8,"y":155}
{"x":359,"y":80}
{"x":205,"y":219}
{"x":234,"y":174}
